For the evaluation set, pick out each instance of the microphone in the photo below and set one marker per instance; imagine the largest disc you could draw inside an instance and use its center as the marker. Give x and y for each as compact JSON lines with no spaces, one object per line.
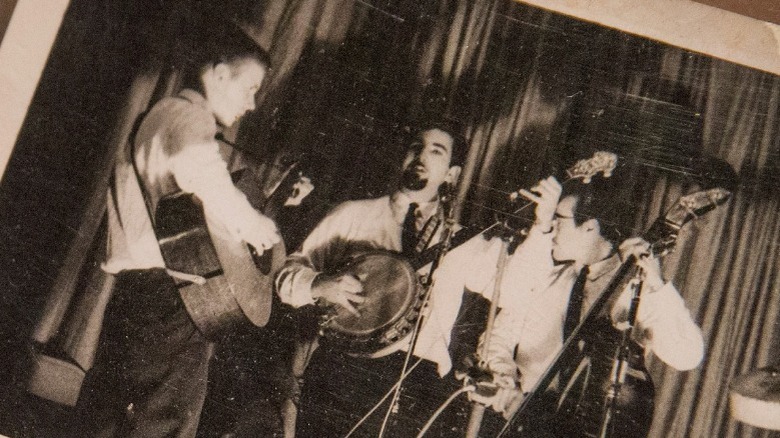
{"x":445,"y":197}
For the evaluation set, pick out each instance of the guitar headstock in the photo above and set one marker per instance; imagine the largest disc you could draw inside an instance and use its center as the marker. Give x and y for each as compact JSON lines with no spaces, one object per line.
{"x":601,"y":162}
{"x":663,"y":234}
{"x":693,"y":205}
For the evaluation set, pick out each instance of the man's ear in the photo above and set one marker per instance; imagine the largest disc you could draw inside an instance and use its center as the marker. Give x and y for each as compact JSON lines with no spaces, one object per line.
{"x":453,"y":174}
{"x":222,"y":71}
{"x":592,"y":225}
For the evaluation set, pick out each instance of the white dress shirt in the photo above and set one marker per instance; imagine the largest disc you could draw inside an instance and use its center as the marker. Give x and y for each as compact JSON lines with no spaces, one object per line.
{"x":377,"y":223}
{"x":528,"y":332}
{"x":174,"y":149}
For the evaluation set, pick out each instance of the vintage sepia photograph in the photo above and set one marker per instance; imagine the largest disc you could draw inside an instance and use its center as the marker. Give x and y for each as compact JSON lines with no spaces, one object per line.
{"x":390,"y":218}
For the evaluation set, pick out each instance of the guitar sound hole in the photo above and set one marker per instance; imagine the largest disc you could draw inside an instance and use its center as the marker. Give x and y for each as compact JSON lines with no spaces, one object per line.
{"x":263,"y":262}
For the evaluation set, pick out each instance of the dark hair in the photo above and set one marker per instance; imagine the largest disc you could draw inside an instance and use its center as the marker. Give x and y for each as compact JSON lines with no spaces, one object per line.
{"x":223,"y":43}
{"x":451,"y":127}
{"x":605,"y":200}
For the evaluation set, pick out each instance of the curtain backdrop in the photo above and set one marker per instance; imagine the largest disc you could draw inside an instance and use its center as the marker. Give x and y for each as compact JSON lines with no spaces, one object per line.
{"x":520,"y":80}
{"x":728,"y":267}
{"x":349,"y":77}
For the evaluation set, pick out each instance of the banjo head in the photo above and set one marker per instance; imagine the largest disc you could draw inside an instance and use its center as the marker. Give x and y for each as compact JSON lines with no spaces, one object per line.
{"x":392,"y":292}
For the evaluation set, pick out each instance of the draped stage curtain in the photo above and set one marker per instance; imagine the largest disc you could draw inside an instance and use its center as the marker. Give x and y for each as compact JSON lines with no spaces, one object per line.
{"x":348,"y":76}
{"x":513,"y":75}
{"x":728,"y":269}
{"x":516,"y":76}
{"x":726,"y":265}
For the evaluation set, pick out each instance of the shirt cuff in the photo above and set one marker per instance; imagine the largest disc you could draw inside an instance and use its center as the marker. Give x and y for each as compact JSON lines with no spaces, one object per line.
{"x":299,"y":290}
{"x":503,"y":366}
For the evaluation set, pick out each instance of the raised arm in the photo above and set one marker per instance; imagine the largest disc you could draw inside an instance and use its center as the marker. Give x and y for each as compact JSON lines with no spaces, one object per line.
{"x":666,"y":325}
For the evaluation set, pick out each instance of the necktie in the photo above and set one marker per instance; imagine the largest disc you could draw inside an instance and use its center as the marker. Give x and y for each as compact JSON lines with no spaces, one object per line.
{"x":409,"y":231}
{"x":575,"y":304}
{"x":427,"y":232}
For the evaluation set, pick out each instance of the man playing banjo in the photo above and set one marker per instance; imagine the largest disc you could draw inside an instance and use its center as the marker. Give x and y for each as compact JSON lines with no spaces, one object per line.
{"x":340,"y":386}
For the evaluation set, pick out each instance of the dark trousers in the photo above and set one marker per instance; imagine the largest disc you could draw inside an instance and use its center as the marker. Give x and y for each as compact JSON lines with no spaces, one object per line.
{"x":150,"y":374}
{"x":581,"y":412}
{"x":339,"y":390}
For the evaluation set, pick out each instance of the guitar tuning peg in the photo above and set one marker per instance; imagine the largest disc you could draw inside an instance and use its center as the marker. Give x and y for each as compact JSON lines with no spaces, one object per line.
{"x":586,"y":180}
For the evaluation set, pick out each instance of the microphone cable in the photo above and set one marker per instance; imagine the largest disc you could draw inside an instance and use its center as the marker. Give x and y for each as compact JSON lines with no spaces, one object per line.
{"x":443,"y":406}
{"x":379,"y":403}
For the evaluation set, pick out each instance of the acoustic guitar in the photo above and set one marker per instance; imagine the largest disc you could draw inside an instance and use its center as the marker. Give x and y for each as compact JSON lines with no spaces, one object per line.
{"x":229,"y":284}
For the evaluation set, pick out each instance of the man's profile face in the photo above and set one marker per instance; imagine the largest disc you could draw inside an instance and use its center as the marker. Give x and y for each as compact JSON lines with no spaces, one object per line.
{"x":233,"y":89}
{"x":572,"y":242}
{"x":427,"y":162}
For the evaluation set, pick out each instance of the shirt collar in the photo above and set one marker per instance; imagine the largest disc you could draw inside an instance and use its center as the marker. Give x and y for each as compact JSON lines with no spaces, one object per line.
{"x":399,"y":204}
{"x":195,"y":97}
{"x":604,"y":267}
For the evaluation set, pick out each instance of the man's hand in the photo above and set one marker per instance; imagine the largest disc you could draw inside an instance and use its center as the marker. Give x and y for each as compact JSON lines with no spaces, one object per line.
{"x":342,"y":290}
{"x":651,"y":266}
{"x":300,"y":190}
{"x":499,"y":398}
{"x":261,"y":233}
{"x":497,"y":390}
{"x":546,"y":194}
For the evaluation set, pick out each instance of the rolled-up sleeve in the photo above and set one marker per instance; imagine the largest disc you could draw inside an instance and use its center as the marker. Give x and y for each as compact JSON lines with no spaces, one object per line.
{"x":199,"y":168}
{"x":293,"y":283}
{"x":324,"y":243}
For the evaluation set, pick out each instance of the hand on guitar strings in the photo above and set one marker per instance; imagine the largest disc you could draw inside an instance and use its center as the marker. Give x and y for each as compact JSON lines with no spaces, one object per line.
{"x":546,"y":194}
{"x":342,"y":289}
{"x":261,"y":233}
{"x":650,"y":264}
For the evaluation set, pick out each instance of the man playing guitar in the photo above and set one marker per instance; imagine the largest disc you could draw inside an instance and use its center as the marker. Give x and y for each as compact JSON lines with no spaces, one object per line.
{"x":150,"y":375}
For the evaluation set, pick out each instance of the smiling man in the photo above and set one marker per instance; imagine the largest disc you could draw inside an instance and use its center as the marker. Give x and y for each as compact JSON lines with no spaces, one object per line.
{"x":150,"y":373}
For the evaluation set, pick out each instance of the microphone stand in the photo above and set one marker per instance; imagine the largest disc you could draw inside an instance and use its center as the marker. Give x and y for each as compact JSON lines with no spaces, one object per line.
{"x":445,"y":199}
{"x":569,"y":353}
{"x":620,"y":364}
{"x":478,"y":409}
